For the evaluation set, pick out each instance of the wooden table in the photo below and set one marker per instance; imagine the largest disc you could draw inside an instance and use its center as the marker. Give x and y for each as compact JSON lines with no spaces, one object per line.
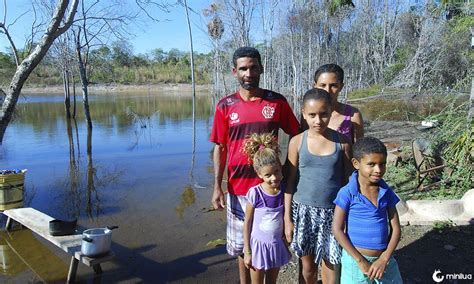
{"x":38,"y":222}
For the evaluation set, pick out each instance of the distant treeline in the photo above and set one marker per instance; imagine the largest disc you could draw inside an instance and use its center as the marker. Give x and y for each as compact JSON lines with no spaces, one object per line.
{"x":118,"y":65}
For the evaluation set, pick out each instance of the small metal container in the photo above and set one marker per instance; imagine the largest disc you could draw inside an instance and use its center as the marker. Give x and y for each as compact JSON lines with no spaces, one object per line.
{"x":96,"y":242}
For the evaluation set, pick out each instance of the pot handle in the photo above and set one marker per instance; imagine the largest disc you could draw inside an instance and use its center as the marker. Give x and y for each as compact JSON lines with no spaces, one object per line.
{"x":89,"y":240}
{"x":112,"y":227}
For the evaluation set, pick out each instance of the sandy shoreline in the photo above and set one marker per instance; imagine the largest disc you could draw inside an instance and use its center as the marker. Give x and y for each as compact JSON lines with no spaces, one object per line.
{"x":116,"y":88}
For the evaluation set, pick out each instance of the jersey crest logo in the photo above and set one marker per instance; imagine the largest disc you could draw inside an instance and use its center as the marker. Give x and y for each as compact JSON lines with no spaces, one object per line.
{"x":268,"y":112}
{"x":234,"y":118}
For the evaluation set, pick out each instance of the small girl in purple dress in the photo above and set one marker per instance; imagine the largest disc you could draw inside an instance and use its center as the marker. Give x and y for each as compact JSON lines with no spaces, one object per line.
{"x":264,"y":248}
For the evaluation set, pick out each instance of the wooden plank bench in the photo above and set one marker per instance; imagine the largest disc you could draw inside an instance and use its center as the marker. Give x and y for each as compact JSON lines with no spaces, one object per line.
{"x":38,"y":222}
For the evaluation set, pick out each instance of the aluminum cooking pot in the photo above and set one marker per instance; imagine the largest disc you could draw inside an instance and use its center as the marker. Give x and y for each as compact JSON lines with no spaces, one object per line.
{"x":96,"y":242}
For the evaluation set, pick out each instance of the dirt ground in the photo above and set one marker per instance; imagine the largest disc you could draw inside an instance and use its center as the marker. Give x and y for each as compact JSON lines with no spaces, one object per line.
{"x":421,"y":251}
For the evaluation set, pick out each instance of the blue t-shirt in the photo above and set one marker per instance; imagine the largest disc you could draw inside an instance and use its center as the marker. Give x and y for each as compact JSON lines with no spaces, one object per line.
{"x":367,"y":224}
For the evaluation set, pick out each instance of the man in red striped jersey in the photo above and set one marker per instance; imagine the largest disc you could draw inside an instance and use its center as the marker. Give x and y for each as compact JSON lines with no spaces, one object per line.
{"x":249,"y":110}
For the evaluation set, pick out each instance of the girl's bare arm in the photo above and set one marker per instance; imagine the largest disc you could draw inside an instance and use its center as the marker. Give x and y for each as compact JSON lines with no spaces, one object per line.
{"x":248,"y":221}
{"x":291,"y":185}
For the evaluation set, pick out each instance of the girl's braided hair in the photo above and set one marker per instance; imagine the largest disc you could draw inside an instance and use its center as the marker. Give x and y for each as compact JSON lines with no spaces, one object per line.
{"x":262,"y":150}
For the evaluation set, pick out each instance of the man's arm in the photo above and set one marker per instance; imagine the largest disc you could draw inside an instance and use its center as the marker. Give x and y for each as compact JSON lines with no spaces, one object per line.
{"x":219,"y":158}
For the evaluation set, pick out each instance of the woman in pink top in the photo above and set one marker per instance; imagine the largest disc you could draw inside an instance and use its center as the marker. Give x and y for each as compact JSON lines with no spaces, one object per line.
{"x":345,"y":119}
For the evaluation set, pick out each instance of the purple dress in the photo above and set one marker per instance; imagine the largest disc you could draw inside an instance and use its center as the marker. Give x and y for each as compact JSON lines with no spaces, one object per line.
{"x":266,"y":240}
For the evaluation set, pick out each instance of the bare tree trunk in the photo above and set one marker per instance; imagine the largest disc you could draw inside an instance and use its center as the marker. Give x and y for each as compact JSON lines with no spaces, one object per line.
{"x":194,"y":88}
{"x":67,"y":99}
{"x":471,"y":102}
{"x":91,"y":172}
{"x":84,"y":81}
{"x":31,"y":61}
{"x":73,"y":95}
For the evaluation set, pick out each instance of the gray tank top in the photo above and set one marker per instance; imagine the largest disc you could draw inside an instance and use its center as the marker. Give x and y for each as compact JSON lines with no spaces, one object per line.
{"x":320,"y":177}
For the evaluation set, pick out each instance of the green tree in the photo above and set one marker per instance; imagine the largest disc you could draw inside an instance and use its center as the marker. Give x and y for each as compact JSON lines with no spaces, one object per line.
{"x":6,"y":60}
{"x":122,"y":52}
{"x":158,"y":55}
{"x":174,"y":55}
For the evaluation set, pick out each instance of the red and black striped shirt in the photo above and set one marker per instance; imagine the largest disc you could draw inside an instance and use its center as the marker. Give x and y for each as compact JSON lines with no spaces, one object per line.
{"x":235,"y":119}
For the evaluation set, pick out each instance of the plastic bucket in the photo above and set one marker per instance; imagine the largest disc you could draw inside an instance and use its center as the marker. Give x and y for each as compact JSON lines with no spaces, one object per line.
{"x":11,"y":190}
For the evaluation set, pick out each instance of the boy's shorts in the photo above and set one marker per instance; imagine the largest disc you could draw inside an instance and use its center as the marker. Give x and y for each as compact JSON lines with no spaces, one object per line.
{"x":351,"y":273}
{"x":236,"y":205}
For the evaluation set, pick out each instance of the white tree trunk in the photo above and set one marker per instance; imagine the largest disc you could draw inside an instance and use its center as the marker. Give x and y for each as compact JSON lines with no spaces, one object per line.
{"x":31,"y":61}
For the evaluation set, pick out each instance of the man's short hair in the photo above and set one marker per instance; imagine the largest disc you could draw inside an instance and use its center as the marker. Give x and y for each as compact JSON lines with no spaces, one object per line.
{"x":246,"y":51}
{"x":368,"y":145}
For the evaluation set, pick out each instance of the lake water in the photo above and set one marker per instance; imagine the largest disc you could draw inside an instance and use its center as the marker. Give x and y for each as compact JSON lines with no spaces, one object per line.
{"x":138,"y":169}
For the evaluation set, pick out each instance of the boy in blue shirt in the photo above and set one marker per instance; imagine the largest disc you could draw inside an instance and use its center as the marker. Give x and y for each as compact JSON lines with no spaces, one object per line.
{"x":360,"y":222}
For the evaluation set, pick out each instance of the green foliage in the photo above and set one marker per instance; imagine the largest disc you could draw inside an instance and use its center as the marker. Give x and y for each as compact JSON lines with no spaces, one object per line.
{"x":403,"y":109}
{"x":458,"y":56}
{"x":455,"y":138}
{"x":334,"y":5}
{"x":392,"y":70}
{"x":453,"y":141}
{"x":402,"y":177}
{"x":6,"y":60}
{"x":462,"y":24}
{"x":365,"y":92}
{"x":441,"y":226}
{"x":116,"y":64}
{"x":7,"y":68}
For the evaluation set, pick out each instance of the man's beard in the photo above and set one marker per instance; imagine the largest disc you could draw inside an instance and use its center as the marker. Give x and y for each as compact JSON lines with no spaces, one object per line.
{"x":249,"y":86}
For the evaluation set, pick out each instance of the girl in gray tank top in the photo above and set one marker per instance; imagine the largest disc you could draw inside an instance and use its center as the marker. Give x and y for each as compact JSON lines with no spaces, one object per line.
{"x":321,"y":157}
{"x":320,"y":175}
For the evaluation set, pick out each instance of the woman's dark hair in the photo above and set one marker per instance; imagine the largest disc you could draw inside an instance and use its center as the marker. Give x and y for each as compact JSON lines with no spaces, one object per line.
{"x":246,"y":51}
{"x":368,"y":145}
{"x":317,"y":94}
{"x":330,"y":68}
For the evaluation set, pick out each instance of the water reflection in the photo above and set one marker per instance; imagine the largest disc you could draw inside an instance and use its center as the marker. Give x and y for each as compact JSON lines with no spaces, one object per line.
{"x":111,"y":111}
{"x":92,"y":206}
{"x":74,"y":187}
{"x":21,"y":250}
{"x":188,"y":197}
{"x":151,"y":181}
{"x":143,"y":122}
{"x":10,"y":263}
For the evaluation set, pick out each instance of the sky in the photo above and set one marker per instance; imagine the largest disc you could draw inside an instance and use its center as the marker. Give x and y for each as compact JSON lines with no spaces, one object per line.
{"x":170,"y":32}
